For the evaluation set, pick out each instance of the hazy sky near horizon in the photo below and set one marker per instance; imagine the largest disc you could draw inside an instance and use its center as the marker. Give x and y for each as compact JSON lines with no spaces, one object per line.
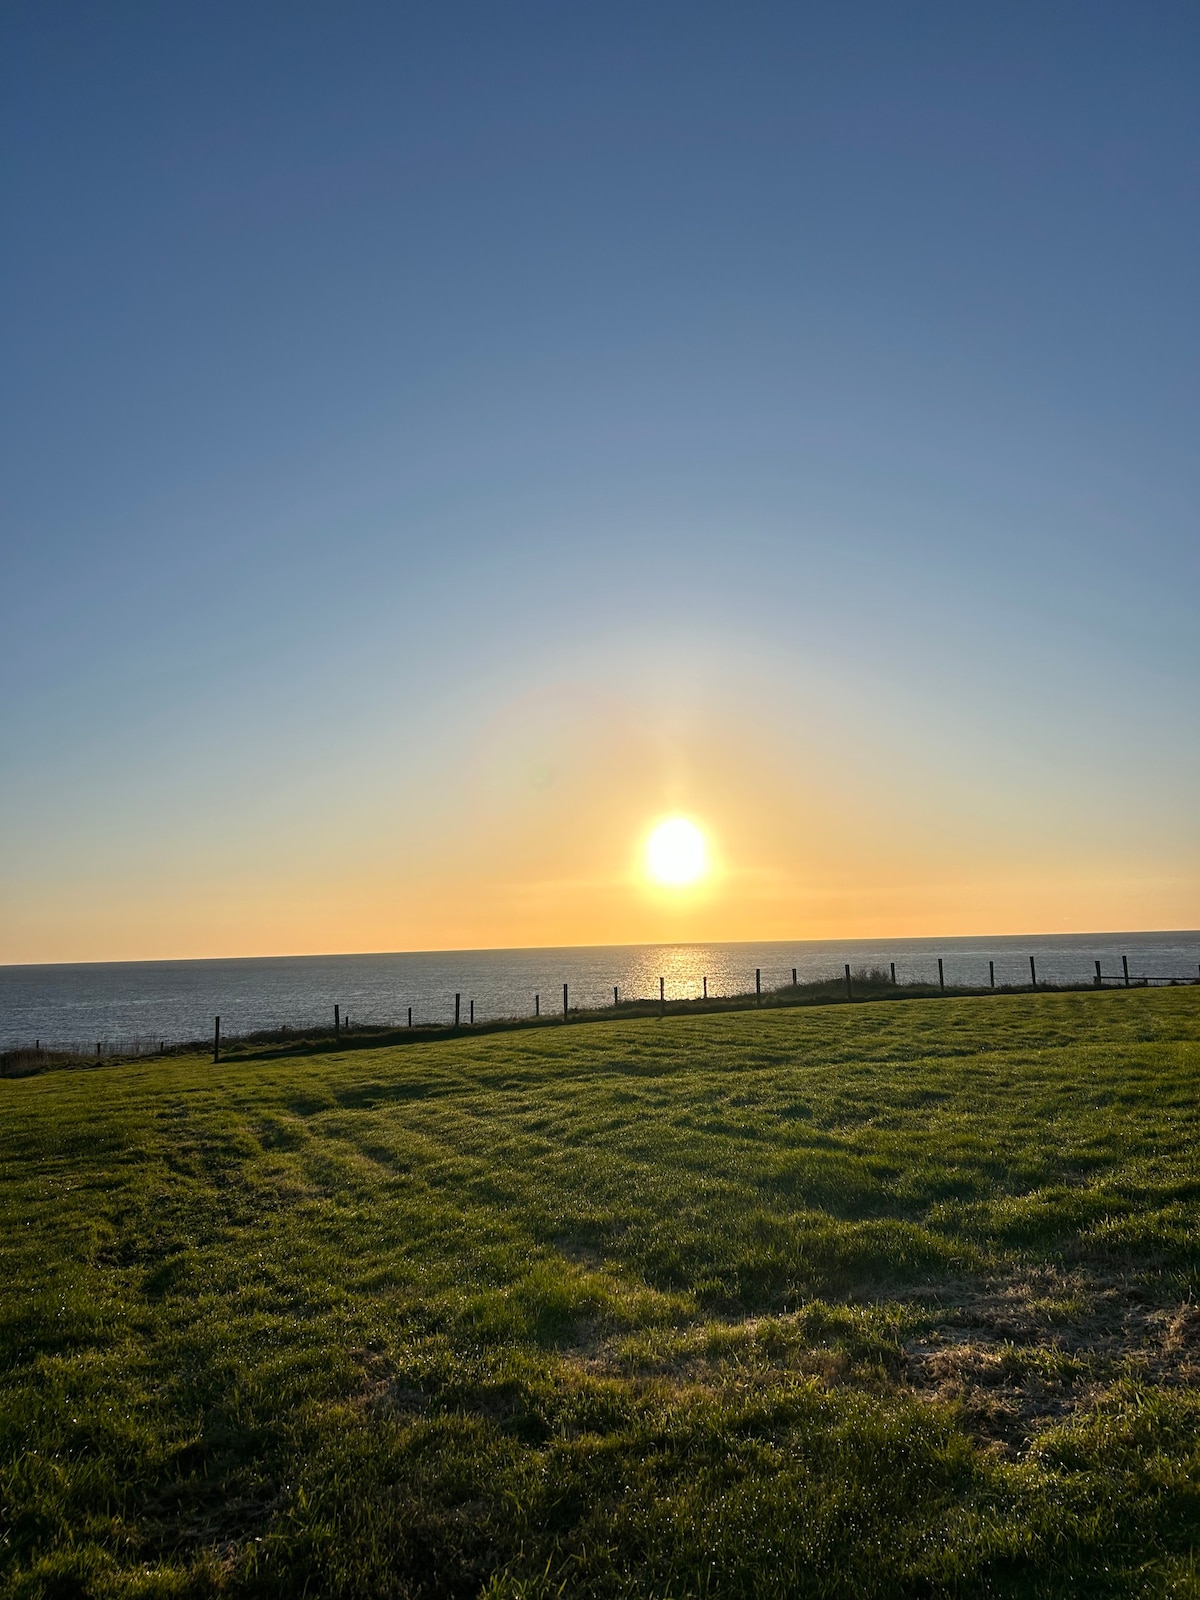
{"x":438,"y":441}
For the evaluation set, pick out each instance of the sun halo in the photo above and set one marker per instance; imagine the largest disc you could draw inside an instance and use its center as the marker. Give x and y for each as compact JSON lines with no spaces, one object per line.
{"x":676,"y":853}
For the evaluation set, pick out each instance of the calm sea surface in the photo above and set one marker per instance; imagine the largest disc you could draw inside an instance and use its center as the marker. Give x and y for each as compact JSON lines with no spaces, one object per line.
{"x":121,"y":1004}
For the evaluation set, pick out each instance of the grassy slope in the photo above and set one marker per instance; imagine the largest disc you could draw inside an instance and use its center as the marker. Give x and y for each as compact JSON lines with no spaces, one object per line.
{"x":884,"y":1300}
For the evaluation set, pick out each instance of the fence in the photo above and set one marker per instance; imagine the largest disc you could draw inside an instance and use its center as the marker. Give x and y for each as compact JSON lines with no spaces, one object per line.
{"x":863,"y":983}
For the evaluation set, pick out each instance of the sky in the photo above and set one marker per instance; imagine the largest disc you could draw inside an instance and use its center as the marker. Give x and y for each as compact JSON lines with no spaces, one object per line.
{"x":436,"y":443}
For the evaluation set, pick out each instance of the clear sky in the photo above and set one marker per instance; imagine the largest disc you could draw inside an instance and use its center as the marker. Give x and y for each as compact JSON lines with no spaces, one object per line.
{"x":439,"y":441}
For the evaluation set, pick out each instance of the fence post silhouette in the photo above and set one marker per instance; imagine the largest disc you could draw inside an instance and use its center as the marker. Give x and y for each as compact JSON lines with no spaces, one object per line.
{"x":410,"y":1016}
{"x":849,"y":991}
{"x":1125,"y":965}
{"x":457,"y":1004}
{"x":1096,"y":980}
{"x":758,"y":986}
{"x":794,"y":984}
{"x":941,"y":975}
{"x":1032,"y":973}
{"x":337,"y":1021}
{"x":616,"y":997}
{"x":472,"y":1013}
{"x":992,"y":974}
{"x":216,"y":1040}
{"x":662,"y":997}
{"x":893,"y":972}
{"x":706,"y":986}
{"x":537,"y":1005}
{"x":564,"y":1002}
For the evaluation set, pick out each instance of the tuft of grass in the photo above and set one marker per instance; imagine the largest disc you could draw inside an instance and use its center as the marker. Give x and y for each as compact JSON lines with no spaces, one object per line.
{"x":855,"y":1300}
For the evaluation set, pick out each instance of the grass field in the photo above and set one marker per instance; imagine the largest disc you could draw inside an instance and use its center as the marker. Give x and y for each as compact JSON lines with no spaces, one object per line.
{"x":856,"y":1300}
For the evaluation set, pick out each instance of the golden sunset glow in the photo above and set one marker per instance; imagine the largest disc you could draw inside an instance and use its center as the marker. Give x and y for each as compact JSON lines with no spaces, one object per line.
{"x":524,"y":841}
{"x":676,"y":853}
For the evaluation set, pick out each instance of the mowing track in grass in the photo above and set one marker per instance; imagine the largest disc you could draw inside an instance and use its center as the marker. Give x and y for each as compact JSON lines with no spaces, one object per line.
{"x":891,"y":1300}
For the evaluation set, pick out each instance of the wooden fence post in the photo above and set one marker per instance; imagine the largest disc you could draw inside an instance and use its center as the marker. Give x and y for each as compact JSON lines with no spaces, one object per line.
{"x":1032,"y":973}
{"x":537,"y":1005}
{"x":662,"y":997}
{"x":616,"y":997}
{"x":457,"y":1004}
{"x":472,"y":1013}
{"x":706,"y":986}
{"x":1096,"y":980}
{"x":410,"y":1016}
{"x":758,"y":986}
{"x":216,"y":1040}
{"x":564,"y":1002}
{"x":849,"y":991}
{"x":941,"y":975}
{"x":337,"y":1021}
{"x":794,"y":983}
{"x":1125,"y":965}
{"x":893,"y":972}
{"x":992,"y":974}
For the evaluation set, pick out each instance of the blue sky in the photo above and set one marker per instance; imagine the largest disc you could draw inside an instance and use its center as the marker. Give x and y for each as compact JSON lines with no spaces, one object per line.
{"x":818,"y":385}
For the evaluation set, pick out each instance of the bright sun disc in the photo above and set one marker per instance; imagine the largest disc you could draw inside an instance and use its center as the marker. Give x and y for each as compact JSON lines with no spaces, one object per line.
{"x":676,"y":853}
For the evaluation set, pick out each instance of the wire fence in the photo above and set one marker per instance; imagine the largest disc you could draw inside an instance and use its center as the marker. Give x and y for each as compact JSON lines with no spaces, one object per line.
{"x":458,"y":1013}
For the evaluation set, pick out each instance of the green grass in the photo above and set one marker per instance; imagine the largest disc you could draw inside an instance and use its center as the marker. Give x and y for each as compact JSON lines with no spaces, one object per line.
{"x":868,"y":984}
{"x":857,"y":1300}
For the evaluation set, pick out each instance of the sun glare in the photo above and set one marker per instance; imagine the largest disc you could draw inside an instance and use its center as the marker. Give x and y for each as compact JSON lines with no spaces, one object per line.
{"x":676,"y":853}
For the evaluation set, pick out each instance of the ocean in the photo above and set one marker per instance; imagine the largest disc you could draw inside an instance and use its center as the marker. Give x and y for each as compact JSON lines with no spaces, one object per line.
{"x":132,"y":1004}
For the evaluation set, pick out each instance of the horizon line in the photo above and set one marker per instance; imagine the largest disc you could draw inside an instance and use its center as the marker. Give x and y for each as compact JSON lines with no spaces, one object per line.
{"x":639,"y":944}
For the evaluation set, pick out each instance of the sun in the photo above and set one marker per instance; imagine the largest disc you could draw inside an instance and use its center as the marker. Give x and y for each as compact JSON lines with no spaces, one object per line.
{"x":676,"y":853}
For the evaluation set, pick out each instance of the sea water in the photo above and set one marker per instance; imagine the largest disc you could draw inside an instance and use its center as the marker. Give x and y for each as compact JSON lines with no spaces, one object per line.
{"x":126,"y":1004}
